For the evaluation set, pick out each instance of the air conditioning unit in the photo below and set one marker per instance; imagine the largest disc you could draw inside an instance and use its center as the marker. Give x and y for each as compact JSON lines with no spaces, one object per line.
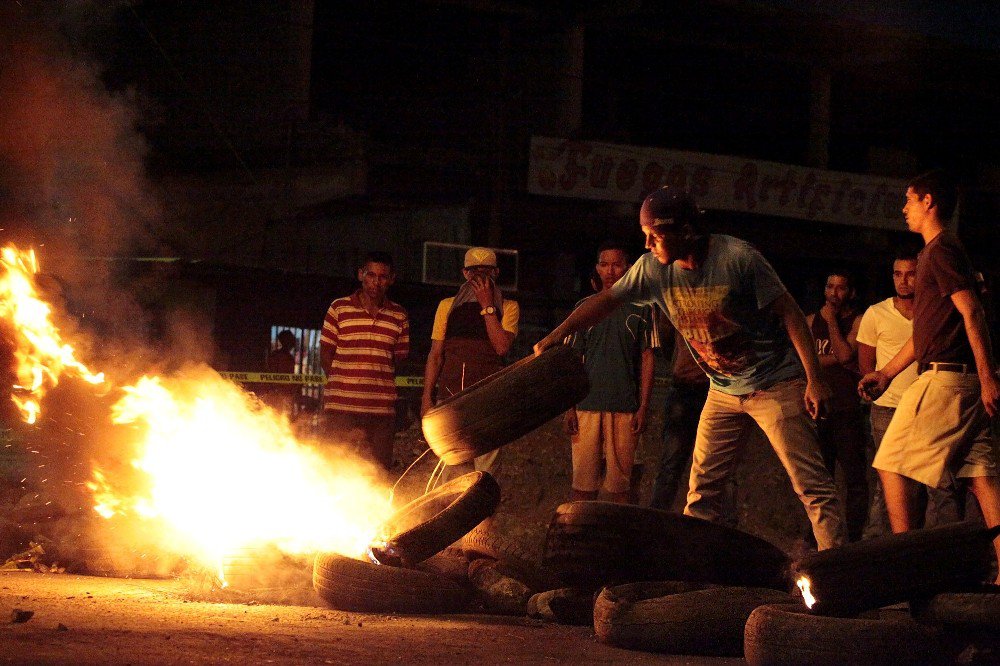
{"x":442,"y":265}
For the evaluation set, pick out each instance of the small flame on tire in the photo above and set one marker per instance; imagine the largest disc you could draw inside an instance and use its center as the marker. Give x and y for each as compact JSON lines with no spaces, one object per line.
{"x":805,"y":586}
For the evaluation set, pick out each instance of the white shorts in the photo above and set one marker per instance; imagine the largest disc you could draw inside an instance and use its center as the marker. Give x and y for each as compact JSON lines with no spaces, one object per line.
{"x":940,"y":431}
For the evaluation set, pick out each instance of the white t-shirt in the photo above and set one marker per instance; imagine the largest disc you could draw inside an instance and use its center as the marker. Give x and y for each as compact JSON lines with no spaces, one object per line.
{"x":887,"y":330}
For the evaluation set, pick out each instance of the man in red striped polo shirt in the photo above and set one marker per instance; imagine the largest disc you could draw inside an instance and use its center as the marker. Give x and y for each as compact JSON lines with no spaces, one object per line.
{"x":364,"y":336}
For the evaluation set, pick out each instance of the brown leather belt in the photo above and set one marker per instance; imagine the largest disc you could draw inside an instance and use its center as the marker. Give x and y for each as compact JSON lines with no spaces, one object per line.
{"x":961,"y":368}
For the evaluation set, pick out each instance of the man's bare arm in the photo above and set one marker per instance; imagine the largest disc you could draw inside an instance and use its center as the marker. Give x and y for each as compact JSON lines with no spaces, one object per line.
{"x":866,"y":358}
{"x":432,"y":370}
{"x":817,"y":392}
{"x":979,"y":339}
{"x":590,"y":312}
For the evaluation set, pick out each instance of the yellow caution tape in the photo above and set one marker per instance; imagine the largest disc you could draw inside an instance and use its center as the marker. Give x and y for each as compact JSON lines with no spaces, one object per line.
{"x":280,"y":378}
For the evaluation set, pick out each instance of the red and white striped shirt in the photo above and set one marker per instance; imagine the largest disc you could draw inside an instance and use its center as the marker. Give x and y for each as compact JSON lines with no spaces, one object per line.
{"x":365,"y":350}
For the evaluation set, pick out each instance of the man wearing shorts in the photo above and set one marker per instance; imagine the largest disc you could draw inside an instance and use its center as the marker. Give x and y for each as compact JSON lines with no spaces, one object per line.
{"x":941,"y":429}
{"x":618,"y":356}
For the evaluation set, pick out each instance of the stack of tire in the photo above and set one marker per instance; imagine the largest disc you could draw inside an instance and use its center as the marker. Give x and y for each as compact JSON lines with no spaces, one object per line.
{"x":415,"y":571}
{"x":393,"y":579}
{"x":657,"y":581}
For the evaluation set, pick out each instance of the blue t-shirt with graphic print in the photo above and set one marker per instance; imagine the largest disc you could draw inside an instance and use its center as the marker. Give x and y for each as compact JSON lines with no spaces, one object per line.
{"x":720,"y":308}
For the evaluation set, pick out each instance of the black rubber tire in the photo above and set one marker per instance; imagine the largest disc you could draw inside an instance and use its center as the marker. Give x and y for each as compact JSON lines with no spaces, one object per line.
{"x":499,"y":593}
{"x":897,"y":567}
{"x":513,"y":560}
{"x":450,"y":563}
{"x":352,"y":585}
{"x":706,"y":622}
{"x":788,"y":634}
{"x":566,"y":605}
{"x":433,"y":521}
{"x":966,"y":609}
{"x":506,"y":405}
{"x":602,"y":543}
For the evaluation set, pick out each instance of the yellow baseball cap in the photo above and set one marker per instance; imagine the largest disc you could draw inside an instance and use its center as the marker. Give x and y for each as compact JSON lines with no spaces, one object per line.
{"x":480,"y":256}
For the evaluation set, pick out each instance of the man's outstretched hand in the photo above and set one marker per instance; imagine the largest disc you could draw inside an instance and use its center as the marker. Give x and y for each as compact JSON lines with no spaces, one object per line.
{"x":550,"y":340}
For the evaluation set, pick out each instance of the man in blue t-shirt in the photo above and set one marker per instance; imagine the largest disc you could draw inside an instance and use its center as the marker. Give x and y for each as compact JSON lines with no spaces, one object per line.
{"x":748,"y":335}
{"x":607,"y":423}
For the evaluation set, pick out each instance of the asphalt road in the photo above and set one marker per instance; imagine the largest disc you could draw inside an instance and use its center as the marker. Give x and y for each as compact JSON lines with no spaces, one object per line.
{"x":90,"y":620}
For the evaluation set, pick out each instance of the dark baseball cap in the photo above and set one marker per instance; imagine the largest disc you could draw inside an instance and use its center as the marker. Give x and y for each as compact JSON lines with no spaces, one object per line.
{"x":668,"y":206}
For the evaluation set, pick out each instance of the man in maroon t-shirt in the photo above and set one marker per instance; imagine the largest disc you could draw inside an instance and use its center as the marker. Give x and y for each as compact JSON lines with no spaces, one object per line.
{"x":841,"y":431}
{"x":941,"y":429}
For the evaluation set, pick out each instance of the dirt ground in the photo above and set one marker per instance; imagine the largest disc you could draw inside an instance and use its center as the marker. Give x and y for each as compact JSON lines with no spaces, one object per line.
{"x":90,"y":620}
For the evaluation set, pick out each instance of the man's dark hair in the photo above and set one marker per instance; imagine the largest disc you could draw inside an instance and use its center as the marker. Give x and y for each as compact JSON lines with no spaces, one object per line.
{"x":905,"y":254}
{"x":844,"y":273}
{"x":613,"y":244}
{"x":943,"y":190}
{"x":379,"y":258}
{"x":287,"y":339}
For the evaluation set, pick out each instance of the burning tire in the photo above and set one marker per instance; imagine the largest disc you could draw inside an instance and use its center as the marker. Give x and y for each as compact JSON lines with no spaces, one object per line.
{"x":897,"y":567}
{"x":598,"y":543}
{"x":788,"y":634}
{"x":432,"y":522}
{"x":567,"y":605}
{"x":352,"y":585}
{"x":506,"y":405}
{"x":678,"y":618}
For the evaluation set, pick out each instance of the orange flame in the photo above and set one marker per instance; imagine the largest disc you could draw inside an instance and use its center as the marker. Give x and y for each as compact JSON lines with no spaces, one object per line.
{"x":225,"y":473}
{"x":219,"y":472}
{"x":805,"y":586}
{"x":39,"y":351}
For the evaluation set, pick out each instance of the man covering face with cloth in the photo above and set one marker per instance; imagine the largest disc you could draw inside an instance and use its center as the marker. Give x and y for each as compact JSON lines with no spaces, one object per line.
{"x":473,"y":330}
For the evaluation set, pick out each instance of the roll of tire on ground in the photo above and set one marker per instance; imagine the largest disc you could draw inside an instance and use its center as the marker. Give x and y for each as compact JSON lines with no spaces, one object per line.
{"x":678,"y":618}
{"x":787,"y":634}
{"x":353,"y":585}
{"x":506,"y":405}
{"x":975,"y":607}
{"x":896,"y":567}
{"x":599,"y":543}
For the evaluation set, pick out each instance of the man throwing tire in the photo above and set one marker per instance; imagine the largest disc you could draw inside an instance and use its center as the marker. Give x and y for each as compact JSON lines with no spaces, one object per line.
{"x":748,"y":335}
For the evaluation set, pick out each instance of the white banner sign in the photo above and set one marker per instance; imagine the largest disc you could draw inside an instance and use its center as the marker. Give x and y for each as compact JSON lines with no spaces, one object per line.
{"x":593,"y":170}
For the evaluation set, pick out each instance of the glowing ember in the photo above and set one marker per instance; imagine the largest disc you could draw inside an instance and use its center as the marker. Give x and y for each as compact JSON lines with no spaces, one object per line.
{"x":225,"y":473}
{"x":39,"y":351}
{"x":805,"y":586}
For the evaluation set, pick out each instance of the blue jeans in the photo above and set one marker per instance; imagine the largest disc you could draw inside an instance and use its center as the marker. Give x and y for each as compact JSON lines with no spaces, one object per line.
{"x":943,"y":505}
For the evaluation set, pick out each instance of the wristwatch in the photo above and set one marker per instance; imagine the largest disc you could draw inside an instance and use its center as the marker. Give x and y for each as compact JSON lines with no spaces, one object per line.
{"x":489,"y":309}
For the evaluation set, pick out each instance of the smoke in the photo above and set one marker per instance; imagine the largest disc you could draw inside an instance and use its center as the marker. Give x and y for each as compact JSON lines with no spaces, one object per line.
{"x":73,"y":183}
{"x":72,"y":178}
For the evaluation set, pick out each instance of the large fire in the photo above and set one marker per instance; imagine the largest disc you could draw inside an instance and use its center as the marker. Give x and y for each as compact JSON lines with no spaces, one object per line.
{"x":226,"y":473}
{"x":217,"y":470}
